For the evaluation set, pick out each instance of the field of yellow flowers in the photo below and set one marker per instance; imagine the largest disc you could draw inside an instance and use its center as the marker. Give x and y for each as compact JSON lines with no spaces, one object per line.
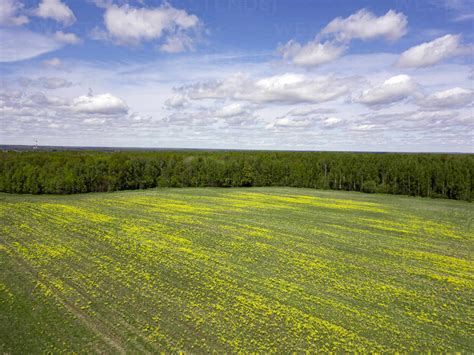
{"x":228,"y":270}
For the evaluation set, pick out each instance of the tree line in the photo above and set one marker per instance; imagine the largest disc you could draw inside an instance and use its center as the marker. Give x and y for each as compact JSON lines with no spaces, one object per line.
{"x":67,"y":172}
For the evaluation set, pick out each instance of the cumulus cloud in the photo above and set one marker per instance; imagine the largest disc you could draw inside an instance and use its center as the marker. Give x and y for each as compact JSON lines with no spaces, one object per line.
{"x":287,"y":87}
{"x":103,"y":104}
{"x":391,"y":90}
{"x":10,"y":13}
{"x":429,"y":122}
{"x":306,"y":117}
{"x":297,"y":88}
{"x":24,"y":105}
{"x":365,"y":25}
{"x":37,"y":113}
{"x":455,"y":97}
{"x":130,"y":25}
{"x":66,"y":38}
{"x":176,"y":101}
{"x":361,"y":25}
{"x":56,"y":10}
{"x":232,"y":110}
{"x":282,"y":89}
{"x":431,"y":53}
{"x":312,"y":53}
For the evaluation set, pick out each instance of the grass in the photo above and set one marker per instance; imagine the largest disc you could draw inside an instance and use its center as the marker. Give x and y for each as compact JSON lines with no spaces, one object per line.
{"x":257,"y":269}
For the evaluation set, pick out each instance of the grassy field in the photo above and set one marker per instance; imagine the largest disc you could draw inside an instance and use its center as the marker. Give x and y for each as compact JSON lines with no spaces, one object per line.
{"x":257,"y":269}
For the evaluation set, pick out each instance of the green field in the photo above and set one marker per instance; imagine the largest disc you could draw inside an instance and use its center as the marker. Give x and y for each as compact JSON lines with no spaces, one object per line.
{"x":244,"y":269}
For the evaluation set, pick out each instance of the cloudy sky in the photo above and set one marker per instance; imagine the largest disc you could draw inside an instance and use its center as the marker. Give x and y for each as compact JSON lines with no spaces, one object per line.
{"x":246,"y":74}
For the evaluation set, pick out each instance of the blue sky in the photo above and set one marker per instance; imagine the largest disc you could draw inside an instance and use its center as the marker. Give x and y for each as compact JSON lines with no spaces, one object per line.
{"x":251,"y":74}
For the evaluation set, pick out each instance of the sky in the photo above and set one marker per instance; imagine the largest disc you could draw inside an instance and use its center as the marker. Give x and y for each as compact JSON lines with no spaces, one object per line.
{"x":239,"y":74}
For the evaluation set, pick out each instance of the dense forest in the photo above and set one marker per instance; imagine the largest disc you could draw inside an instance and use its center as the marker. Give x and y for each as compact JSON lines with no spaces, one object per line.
{"x":66,"y":172}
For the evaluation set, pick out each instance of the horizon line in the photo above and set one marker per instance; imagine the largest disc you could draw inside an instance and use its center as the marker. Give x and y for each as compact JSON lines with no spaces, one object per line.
{"x":5,"y":147}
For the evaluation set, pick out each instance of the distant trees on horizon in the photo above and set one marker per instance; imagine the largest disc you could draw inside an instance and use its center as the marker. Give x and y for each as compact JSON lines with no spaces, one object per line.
{"x":68,"y":172}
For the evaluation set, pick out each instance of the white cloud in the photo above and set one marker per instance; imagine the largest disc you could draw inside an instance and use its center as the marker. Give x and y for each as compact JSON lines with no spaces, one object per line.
{"x":129,"y":25}
{"x":363,"y":127}
{"x":23,"y":44}
{"x":95,"y":121}
{"x":135,"y":117}
{"x":297,"y":88}
{"x":332,"y":122}
{"x":422,"y":122}
{"x":104,"y":104}
{"x":231,"y":110}
{"x":234,"y":114}
{"x":365,"y":25}
{"x":56,"y":10}
{"x":290,"y":122}
{"x":431,"y":53}
{"x":66,"y":38}
{"x":177,"y":43}
{"x":281,"y":89}
{"x":312,"y":53}
{"x":305,"y":117}
{"x":391,"y":90}
{"x":455,"y":97}
{"x":361,"y":25}
{"x":36,"y":113}
{"x":176,"y":101}
{"x":54,"y":125}
{"x":194,"y":120}
{"x":9,"y":13}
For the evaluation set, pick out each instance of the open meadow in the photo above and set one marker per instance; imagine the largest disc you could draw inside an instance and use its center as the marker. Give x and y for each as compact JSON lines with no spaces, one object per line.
{"x":242,"y":269}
